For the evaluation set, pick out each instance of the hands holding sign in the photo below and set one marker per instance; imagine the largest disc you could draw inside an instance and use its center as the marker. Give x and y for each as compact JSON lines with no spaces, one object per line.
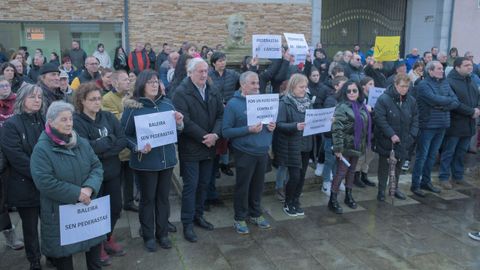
{"x":85,"y":194}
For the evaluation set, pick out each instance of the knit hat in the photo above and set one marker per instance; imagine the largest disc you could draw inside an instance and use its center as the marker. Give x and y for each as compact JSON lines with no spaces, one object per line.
{"x":63,"y":74}
{"x":47,"y":68}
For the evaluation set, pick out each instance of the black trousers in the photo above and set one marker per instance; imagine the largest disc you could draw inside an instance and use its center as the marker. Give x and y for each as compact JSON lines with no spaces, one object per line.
{"x":296,"y":180}
{"x":249,"y":180}
{"x":127,"y":182}
{"x":154,"y":203}
{"x":30,"y":216}
{"x":113,"y":188}
{"x":383,"y":168}
{"x":92,"y":257}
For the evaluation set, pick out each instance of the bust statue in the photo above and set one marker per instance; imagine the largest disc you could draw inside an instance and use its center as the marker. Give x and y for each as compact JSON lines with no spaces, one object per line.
{"x":236,"y":31}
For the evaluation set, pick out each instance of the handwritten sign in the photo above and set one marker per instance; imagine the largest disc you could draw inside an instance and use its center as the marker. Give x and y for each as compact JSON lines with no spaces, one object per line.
{"x":373,"y":94}
{"x":387,"y":48}
{"x":318,"y":121}
{"x":262,"y":108}
{"x":298,"y":46}
{"x":80,"y":222}
{"x":157,"y":129}
{"x":267,"y":46}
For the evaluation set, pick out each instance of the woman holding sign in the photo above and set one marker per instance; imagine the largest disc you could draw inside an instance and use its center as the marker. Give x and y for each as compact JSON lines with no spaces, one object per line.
{"x":351,"y":132}
{"x":153,"y":166}
{"x":105,"y":135}
{"x":65,"y":170}
{"x":290,"y":147}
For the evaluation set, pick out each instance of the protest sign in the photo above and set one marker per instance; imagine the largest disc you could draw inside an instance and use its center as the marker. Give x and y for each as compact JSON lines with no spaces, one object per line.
{"x":267,"y":46}
{"x":262,"y":108}
{"x":80,"y":222}
{"x":387,"y":48}
{"x":318,"y":121}
{"x":373,"y":94}
{"x":157,"y":129}
{"x":298,"y":46}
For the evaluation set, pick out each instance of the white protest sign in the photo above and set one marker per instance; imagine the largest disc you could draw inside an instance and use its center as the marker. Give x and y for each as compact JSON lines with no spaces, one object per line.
{"x":298,"y":46}
{"x":157,"y":129}
{"x":262,"y":108}
{"x":318,"y":121}
{"x":80,"y":222}
{"x":373,"y":94}
{"x":267,"y":46}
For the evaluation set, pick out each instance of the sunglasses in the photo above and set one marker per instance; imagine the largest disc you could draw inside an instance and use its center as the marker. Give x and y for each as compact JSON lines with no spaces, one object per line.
{"x":350,"y":91}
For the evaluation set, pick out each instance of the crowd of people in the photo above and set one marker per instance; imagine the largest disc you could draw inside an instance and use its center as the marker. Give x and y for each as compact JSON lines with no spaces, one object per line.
{"x":69,"y":135}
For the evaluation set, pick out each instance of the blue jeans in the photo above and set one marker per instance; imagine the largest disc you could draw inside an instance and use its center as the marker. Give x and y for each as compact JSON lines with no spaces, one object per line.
{"x":281,"y":177}
{"x":428,"y":144}
{"x":330,"y":165}
{"x":196,"y":176}
{"x":454,"y":150}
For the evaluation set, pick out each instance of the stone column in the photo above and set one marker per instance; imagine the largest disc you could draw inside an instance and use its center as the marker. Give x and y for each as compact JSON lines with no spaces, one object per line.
{"x":316,"y":21}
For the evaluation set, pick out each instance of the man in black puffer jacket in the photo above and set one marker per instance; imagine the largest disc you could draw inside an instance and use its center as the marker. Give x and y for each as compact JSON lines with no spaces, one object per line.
{"x":396,"y":126}
{"x":462,"y":122}
{"x":435,"y":101}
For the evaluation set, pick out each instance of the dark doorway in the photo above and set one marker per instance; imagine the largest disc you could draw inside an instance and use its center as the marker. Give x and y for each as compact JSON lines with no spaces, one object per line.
{"x":348,"y":22}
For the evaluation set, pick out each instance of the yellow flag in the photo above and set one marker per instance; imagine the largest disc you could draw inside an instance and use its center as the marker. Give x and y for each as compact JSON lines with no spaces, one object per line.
{"x":387,"y":48}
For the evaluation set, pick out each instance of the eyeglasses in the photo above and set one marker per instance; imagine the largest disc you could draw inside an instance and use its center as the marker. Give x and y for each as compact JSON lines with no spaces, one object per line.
{"x":153,"y":82}
{"x":4,"y":86}
{"x":95,"y":99}
{"x":350,"y":91}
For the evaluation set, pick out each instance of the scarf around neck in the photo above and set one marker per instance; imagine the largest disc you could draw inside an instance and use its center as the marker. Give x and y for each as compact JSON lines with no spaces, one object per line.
{"x":302,"y":104}
{"x":61,"y":139}
{"x":358,"y":125}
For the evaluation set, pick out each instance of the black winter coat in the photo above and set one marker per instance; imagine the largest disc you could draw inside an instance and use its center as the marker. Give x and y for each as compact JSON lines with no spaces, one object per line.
{"x":276,"y":73}
{"x":20,"y":135}
{"x":395,"y":115}
{"x":288,"y":141}
{"x":226,"y":84}
{"x":461,"y":122}
{"x":107,"y":138}
{"x":200,"y":118}
{"x":377,"y":76}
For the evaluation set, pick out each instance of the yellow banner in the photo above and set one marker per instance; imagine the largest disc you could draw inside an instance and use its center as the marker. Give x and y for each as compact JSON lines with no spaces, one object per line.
{"x":387,"y":48}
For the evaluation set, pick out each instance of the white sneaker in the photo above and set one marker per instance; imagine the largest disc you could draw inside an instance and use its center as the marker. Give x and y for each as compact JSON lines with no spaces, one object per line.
{"x":326,"y":188}
{"x":11,"y":239}
{"x":319,"y":169}
{"x":342,"y":187}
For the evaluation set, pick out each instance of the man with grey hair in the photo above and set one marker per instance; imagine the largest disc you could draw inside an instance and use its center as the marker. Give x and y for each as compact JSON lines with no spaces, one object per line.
{"x":435,"y":100}
{"x":202,"y":108}
{"x":38,"y":61}
{"x":90,"y":73}
{"x":251,"y":145}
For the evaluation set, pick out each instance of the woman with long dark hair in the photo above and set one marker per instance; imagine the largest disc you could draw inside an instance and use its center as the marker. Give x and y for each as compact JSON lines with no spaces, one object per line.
{"x":351,"y":133}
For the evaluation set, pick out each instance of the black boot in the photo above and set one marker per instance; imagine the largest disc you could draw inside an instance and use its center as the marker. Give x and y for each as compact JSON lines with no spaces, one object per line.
{"x":365,"y":180}
{"x":333,"y":204}
{"x":226,"y":169}
{"x":349,"y":201}
{"x":357,"y":182}
{"x":381,"y":195}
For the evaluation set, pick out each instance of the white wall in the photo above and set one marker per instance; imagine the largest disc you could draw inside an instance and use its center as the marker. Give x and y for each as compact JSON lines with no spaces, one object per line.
{"x":466,"y":26}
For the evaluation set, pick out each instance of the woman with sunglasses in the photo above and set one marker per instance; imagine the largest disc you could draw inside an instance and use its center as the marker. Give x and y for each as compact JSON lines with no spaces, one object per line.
{"x":351,"y":133}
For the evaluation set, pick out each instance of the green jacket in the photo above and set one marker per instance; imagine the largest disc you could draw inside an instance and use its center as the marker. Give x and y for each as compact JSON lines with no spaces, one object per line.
{"x":343,"y":130}
{"x":59,"y":173}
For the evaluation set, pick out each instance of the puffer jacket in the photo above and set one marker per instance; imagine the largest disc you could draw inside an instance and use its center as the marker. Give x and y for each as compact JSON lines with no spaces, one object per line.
{"x":288,"y":141}
{"x":435,"y":100}
{"x":159,"y":158}
{"x":343,"y":130}
{"x":226,"y":84}
{"x":395,"y":115}
{"x":59,"y":173}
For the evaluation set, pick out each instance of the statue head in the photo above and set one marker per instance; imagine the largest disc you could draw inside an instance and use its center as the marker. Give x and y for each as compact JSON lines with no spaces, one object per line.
{"x":236,"y":29}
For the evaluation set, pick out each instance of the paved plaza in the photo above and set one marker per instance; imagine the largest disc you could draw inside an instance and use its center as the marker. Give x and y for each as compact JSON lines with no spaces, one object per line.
{"x":419,"y":233}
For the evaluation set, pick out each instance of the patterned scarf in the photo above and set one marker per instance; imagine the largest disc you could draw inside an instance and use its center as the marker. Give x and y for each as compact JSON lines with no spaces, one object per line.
{"x":302,"y":103}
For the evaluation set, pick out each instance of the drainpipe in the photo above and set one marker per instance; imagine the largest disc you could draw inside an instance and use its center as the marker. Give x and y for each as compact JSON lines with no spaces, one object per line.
{"x":450,"y":28}
{"x":125,"y":26}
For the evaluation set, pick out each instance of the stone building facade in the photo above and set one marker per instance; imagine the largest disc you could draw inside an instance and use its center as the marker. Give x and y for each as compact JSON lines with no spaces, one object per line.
{"x":171,"y":21}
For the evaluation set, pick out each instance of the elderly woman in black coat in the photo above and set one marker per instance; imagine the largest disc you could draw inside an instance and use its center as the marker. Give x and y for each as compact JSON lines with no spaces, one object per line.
{"x":20,"y":134}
